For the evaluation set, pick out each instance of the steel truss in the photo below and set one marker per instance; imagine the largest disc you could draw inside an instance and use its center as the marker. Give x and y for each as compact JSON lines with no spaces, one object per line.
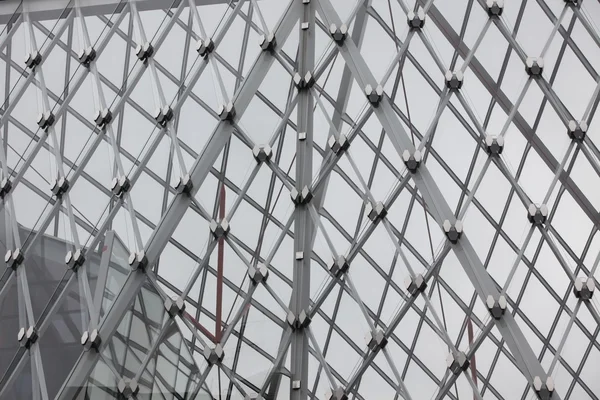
{"x":303,"y":297}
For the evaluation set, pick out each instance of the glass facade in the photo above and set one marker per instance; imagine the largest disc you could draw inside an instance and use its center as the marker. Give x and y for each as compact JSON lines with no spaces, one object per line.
{"x":299,"y":199}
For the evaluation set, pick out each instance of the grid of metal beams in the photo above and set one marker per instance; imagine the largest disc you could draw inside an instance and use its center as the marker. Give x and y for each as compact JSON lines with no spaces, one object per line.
{"x":366,"y":199}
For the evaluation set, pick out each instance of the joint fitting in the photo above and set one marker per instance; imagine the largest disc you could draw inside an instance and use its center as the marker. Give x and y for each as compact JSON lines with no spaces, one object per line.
{"x":227,"y":112}
{"x":91,"y":340}
{"x":86,"y":56}
{"x":262,"y":153}
{"x":258,"y":274}
{"x":376,"y":340}
{"x":184,"y":185}
{"x":75,"y":259}
{"x":544,"y":390}
{"x":28,"y":336}
{"x":205,"y":47}
{"x":305,"y":82}
{"x":336,"y":394}
{"x":534,"y":66}
{"x":454,"y":80}
{"x":377,"y":212}
{"x":416,"y":20}
{"x":453,"y":231}
{"x":60,"y":187}
{"x":5,"y":187}
{"x":103,"y":117}
{"x":174,"y":306}
{"x":536,"y":214}
{"x":214,"y":355}
{"x":496,"y":307}
{"x":338,"y":33}
{"x":299,"y":322}
{"x":415,"y":285}
{"x":219,"y":229}
{"x":45,"y":120}
{"x":495,"y":7}
{"x":339,"y":145}
{"x":32,"y":60}
{"x":301,"y":198}
{"x":127,"y":388}
{"x":163,"y":115}
{"x":374,"y":95}
{"x":583,"y":288}
{"x":268,"y":42}
{"x":577,"y":130}
{"x":494,"y":145}
{"x":138,"y":261}
{"x":14,"y":258}
{"x":339,"y":266}
{"x":412,"y":161}
{"x":144,"y":51}
{"x":120,"y":185}
{"x":457,"y":363}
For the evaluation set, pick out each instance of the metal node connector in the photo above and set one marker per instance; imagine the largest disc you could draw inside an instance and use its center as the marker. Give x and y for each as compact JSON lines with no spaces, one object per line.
{"x":338,"y":33}
{"x":163,"y":115}
{"x":258,"y":274}
{"x":103,"y":117}
{"x":536,"y":214}
{"x":577,"y":130}
{"x":184,"y":185}
{"x":496,"y":307}
{"x":412,"y":161}
{"x":86,"y":56}
{"x":219,"y":229}
{"x":303,"y":197}
{"x":214,"y":355}
{"x":336,"y":394}
{"x":376,"y":212}
{"x":262,"y":153}
{"x":534,"y":66}
{"x":5,"y":187}
{"x":138,"y":261}
{"x":28,"y":336}
{"x":268,"y":42}
{"x":174,"y":306}
{"x":60,"y":187}
{"x":205,"y":46}
{"x":415,"y":285}
{"x":454,"y":80}
{"x":32,"y":60}
{"x":75,"y":259}
{"x":305,"y":82}
{"x":494,"y":145}
{"x":376,"y":340}
{"x":120,"y":185}
{"x":374,"y":95}
{"x":544,"y":390}
{"x":457,"y":363}
{"x":91,"y":340}
{"x":14,"y":258}
{"x":339,"y":145}
{"x":583,"y":288}
{"x":45,"y":120}
{"x":495,"y":7}
{"x":416,"y":20}
{"x":144,"y":51}
{"x":299,"y":322}
{"x":453,"y":231}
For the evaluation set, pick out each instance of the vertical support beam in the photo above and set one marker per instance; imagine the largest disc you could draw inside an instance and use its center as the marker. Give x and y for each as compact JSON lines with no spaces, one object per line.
{"x":221,"y":250}
{"x":303,"y":224}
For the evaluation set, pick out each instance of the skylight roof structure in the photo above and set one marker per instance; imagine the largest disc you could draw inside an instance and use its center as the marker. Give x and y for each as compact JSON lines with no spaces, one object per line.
{"x":299,"y":199}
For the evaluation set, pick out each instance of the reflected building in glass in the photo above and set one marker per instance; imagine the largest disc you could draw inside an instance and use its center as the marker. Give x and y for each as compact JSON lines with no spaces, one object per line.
{"x":299,"y":199}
